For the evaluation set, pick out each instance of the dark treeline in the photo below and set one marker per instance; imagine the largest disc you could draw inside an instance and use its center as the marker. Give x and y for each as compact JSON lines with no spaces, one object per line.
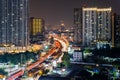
{"x":113,"y":52}
{"x":17,"y":58}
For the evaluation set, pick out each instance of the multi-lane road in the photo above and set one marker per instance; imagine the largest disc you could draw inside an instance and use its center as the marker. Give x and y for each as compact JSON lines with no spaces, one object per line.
{"x":56,"y":47}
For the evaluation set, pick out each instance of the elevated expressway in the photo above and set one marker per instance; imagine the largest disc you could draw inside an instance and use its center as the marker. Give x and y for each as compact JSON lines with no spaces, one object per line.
{"x":59,"y":44}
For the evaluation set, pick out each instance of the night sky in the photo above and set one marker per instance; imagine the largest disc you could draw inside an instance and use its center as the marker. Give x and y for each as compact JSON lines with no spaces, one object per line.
{"x":55,"y":11}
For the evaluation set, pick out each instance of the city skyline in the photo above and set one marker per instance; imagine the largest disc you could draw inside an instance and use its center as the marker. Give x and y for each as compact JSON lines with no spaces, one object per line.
{"x":59,"y":40}
{"x":54,"y":11}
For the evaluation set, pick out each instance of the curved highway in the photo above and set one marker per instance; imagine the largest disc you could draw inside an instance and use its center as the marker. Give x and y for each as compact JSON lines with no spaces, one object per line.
{"x":58,"y":45}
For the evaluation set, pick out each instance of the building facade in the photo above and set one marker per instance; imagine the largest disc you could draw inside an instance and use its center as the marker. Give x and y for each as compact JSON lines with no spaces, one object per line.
{"x":36,"y":26}
{"x":89,"y":25}
{"x":77,"y":55}
{"x":77,"y":25}
{"x":14,"y":22}
{"x":96,"y":25}
{"x":37,"y":30}
{"x":116,"y":30}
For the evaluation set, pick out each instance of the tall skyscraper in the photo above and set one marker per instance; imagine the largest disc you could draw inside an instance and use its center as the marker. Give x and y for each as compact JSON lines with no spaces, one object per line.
{"x":77,"y":25}
{"x":96,"y":25}
{"x":14,"y":22}
{"x":116,"y":33}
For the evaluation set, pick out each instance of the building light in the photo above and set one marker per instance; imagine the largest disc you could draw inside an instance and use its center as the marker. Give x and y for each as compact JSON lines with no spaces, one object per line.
{"x":97,"y":9}
{"x":105,"y":9}
{"x":89,"y":9}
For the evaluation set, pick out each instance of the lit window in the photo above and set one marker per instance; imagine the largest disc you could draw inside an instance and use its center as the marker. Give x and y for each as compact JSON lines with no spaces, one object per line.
{"x":21,"y":4}
{"x":12,"y":13}
{"x":2,"y":21}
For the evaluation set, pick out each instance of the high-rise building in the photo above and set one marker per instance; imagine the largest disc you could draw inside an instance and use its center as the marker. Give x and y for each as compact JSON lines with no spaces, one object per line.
{"x":36,"y":26}
{"x":14,"y":22}
{"x":77,"y":25}
{"x":96,"y":25}
{"x":116,"y":33}
{"x":37,"y":30}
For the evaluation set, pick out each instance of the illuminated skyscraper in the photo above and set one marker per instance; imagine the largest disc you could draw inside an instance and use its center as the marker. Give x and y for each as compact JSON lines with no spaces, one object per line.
{"x":14,"y":22}
{"x":37,"y":29}
{"x":36,"y":26}
{"x":96,"y":24}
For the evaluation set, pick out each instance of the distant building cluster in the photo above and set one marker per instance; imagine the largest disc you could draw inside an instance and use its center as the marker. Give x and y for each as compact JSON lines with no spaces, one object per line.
{"x":94,"y":26}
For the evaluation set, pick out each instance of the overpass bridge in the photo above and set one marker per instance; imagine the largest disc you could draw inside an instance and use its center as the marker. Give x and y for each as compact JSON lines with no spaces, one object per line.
{"x":58,"y":45}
